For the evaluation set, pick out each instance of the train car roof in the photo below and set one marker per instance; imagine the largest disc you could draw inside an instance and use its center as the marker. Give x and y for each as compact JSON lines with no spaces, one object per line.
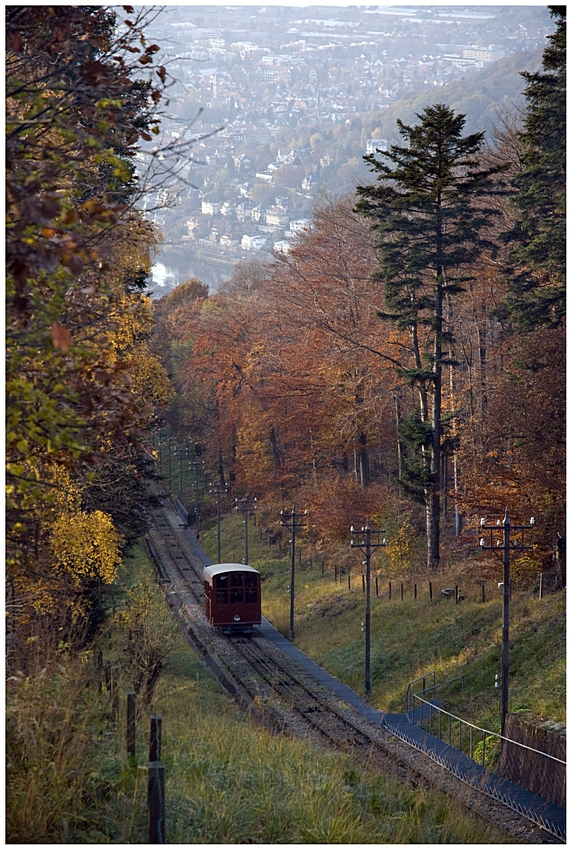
{"x":217,"y":569}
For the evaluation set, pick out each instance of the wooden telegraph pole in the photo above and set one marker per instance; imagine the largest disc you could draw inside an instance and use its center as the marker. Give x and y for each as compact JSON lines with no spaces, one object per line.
{"x":292,"y":521}
{"x":500,"y":541}
{"x":368,"y":541}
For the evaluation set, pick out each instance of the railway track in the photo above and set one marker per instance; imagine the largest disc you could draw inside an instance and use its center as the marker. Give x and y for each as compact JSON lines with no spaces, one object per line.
{"x":301,"y":698}
{"x":278,"y":693}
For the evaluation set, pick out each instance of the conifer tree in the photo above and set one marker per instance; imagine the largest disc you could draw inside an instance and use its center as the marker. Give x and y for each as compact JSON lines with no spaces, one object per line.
{"x":428,"y":228}
{"x":537,"y":286}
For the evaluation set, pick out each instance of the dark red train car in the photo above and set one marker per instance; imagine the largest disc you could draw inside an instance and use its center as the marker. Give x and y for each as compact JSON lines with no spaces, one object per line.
{"x":232,"y":596}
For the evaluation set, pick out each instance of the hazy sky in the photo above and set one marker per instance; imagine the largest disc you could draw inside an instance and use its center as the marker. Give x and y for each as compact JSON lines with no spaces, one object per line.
{"x":303,"y":3}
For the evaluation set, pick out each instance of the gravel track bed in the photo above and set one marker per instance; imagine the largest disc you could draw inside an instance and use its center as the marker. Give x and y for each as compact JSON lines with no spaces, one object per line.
{"x":276,"y":692}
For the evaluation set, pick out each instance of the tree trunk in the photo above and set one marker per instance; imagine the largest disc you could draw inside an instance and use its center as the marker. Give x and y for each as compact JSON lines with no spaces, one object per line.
{"x":220,"y":469}
{"x":362,"y":461}
{"x":275,"y":450}
{"x":433,"y":502}
{"x":399,"y":445}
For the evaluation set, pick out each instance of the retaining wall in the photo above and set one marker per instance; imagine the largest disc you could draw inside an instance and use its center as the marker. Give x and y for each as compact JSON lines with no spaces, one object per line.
{"x":530,"y":770}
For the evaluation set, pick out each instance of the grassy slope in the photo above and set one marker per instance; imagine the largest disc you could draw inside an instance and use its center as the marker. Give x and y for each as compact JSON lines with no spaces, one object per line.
{"x":229,"y":781}
{"x":412,"y":637}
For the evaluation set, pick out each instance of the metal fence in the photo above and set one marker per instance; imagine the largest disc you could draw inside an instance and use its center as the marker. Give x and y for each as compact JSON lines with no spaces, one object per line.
{"x":470,"y":739}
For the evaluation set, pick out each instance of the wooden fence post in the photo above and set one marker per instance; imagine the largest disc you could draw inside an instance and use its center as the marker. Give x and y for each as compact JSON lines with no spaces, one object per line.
{"x":389,"y":589}
{"x":156,"y":783}
{"x":131,"y":724}
{"x":114,"y":690}
{"x":155,"y":737}
{"x":156,"y":802}
{"x":401,"y":586}
{"x":430,"y":592}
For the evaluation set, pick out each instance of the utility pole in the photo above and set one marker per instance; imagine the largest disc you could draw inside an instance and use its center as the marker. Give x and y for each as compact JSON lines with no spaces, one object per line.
{"x":197,"y":464}
{"x":369,"y":540}
{"x":218,"y":487}
{"x":499,"y":541}
{"x":180,"y":473}
{"x":292,"y":521}
{"x":169,"y":456}
{"x":245,"y":505}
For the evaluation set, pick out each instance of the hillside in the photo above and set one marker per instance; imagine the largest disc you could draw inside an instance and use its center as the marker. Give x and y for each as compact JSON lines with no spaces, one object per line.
{"x":481,"y":95}
{"x":414,"y":636}
{"x":330,"y":157}
{"x":484,"y":96}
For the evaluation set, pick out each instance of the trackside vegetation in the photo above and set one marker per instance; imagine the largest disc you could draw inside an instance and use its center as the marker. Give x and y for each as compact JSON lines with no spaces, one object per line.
{"x":228,"y":781}
{"x":346,"y":376}
{"x":413,"y":636}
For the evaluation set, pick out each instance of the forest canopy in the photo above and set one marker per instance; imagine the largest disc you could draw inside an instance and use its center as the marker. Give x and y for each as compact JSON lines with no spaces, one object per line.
{"x":383,"y":363}
{"x":405,"y":359}
{"x":82,"y":88}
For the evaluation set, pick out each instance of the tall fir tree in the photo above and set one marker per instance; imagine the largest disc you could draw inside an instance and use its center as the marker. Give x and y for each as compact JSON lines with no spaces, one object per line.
{"x":429,"y":229}
{"x":537,"y":285}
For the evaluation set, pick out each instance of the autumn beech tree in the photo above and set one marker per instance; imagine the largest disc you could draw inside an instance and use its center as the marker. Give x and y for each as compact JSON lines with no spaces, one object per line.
{"x":212,"y":366}
{"x":284,"y":379}
{"x":323,"y":288}
{"x":428,"y":214}
{"x":82,"y":98}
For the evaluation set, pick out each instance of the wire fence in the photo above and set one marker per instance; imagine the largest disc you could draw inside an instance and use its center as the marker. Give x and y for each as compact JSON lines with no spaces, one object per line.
{"x":480,"y":745}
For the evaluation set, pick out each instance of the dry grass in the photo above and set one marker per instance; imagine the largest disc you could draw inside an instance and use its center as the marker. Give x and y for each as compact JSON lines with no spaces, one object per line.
{"x":229,"y":781}
{"x":411,"y":637}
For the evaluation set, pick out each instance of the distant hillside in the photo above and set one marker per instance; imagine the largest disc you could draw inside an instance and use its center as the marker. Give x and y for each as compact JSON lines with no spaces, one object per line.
{"x":331,"y":155}
{"x":479,"y":95}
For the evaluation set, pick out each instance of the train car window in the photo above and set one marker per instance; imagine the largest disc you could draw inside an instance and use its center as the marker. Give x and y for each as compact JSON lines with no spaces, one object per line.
{"x":251,"y":594}
{"x":250,"y":579}
{"x":222,"y":589}
{"x":236,"y":588}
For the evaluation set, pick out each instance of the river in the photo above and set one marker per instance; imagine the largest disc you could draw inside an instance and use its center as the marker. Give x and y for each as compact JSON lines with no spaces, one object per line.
{"x":173,"y":267}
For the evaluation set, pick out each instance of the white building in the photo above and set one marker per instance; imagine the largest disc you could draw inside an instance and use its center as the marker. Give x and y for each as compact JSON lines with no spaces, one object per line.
{"x":252,"y":243}
{"x":210,"y":208}
{"x":374,"y":145}
{"x":483,"y":54}
{"x":297,"y":227}
{"x":275,"y":217}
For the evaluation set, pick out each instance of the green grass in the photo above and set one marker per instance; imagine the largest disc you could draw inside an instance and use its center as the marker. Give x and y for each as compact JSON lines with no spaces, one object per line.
{"x":230,"y":781}
{"x":415,"y":636}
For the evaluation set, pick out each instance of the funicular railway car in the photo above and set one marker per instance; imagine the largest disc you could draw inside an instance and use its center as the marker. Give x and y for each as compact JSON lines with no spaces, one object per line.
{"x":232,"y":596}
